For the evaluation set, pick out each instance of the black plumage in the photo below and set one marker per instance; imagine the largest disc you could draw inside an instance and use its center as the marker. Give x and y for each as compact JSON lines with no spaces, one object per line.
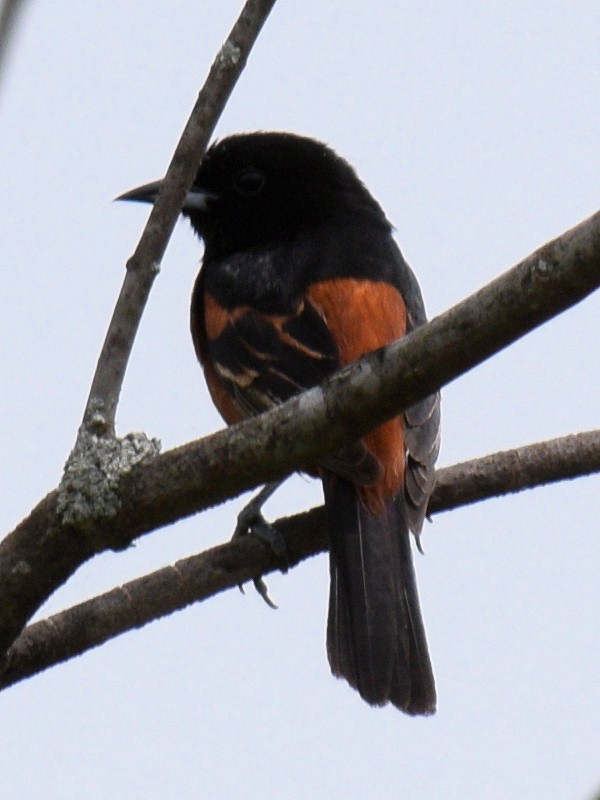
{"x":300,"y":276}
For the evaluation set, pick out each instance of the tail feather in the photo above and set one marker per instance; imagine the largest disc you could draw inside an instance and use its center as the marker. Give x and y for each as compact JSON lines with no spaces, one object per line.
{"x":375,"y":633}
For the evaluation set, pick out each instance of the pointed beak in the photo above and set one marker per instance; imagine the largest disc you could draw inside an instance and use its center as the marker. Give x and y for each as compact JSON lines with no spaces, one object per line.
{"x":142,"y":194}
{"x":195,"y":200}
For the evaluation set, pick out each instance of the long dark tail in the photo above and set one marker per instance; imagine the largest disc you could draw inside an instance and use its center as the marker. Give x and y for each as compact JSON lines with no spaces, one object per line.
{"x":375,"y":634}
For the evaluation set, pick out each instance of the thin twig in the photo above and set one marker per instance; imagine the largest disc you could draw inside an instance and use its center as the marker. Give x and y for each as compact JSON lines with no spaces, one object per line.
{"x":142,"y":267}
{"x":90,"y":624}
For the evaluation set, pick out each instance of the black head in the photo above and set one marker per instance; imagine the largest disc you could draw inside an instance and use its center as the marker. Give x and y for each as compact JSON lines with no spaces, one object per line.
{"x":259,"y":188}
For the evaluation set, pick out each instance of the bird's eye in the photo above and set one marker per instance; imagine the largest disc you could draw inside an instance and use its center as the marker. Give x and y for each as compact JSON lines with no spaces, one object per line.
{"x":249,"y":182}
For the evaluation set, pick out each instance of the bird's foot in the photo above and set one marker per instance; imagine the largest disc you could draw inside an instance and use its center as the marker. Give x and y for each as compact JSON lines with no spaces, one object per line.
{"x":252,"y":522}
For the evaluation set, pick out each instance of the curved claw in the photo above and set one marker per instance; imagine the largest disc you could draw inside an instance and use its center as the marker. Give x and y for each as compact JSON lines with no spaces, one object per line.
{"x":251,"y":522}
{"x":263,"y":590}
{"x":258,"y":526}
{"x":418,"y":543}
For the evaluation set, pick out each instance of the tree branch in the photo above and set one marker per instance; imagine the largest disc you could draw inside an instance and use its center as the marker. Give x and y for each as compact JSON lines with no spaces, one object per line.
{"x":44,"y":550}
{"x":142,"y":267}
{"x":89,"y":624}
{"x":511,"y":471}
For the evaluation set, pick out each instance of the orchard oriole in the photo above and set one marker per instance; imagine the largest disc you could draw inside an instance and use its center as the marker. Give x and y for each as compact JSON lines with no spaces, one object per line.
{"x":300,"y":276}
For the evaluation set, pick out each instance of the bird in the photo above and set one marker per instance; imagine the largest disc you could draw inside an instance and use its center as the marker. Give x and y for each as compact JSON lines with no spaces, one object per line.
{"x":300,"y":276}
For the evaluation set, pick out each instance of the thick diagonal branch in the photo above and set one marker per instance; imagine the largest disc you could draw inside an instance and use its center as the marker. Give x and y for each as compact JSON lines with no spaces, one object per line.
{"x":42,"y":552}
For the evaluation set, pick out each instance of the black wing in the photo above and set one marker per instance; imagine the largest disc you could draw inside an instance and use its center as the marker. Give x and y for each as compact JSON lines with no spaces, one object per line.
{"x":265,"y":360}
{"x":422,"y":429}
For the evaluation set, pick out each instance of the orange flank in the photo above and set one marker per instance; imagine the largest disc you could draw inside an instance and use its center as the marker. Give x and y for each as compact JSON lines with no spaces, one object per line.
{"x":341,"y":302}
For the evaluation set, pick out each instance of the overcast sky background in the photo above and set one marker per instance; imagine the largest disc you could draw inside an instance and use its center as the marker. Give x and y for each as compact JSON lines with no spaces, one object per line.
{"x":476,"y":124}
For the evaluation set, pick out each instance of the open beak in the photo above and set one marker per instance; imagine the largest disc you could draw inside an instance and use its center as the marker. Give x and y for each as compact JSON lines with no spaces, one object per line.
{"x":195,"y":199}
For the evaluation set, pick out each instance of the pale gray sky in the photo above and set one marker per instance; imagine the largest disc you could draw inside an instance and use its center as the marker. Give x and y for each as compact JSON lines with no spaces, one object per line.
{"x":476,"y":126}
